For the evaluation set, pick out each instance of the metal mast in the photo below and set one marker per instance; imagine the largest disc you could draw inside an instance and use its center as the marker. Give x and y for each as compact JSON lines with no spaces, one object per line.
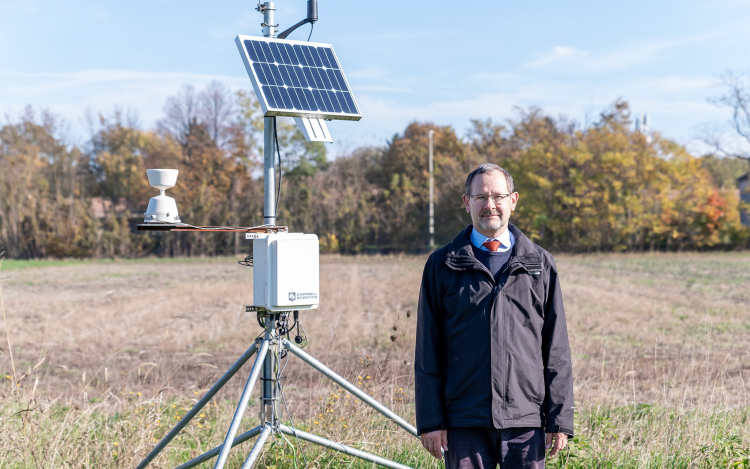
{"x":432,"y":195}
{"x":269,"y":130}
{"x":268,"y":400}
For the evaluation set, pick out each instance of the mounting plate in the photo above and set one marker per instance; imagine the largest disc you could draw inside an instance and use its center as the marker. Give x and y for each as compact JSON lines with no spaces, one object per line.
{"x":314,"y":130}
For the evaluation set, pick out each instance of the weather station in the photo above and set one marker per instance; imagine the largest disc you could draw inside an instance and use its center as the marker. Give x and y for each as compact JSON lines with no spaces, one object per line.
{"x":303,"y":80}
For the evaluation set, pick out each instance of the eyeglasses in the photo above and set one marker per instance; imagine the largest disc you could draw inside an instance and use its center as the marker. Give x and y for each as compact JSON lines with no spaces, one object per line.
{"x":482,"y":199}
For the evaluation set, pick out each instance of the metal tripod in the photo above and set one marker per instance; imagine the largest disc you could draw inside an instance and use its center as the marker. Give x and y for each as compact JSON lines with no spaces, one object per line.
{"x":269,"y":350}
{"x":271,"y":347}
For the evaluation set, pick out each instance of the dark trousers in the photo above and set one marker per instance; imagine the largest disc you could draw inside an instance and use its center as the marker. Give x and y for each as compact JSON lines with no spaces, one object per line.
{"x":485,"y":448}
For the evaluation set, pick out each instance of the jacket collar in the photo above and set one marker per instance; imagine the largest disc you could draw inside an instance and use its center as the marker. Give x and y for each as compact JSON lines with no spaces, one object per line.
{"x":460,"y":254}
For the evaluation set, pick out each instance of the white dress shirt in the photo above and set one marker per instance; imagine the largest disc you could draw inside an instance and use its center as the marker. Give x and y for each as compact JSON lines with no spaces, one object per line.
{"x":507,"y":240}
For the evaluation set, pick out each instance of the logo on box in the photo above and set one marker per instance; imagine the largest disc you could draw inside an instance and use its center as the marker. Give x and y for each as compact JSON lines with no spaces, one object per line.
{"x":302,"y":296}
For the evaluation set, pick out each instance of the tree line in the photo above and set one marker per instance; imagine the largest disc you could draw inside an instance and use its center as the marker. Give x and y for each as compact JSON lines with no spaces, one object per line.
{"x":604,"y":187}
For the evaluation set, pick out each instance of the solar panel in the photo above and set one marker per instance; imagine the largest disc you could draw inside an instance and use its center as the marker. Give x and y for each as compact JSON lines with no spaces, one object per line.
{"x":297,"y":78}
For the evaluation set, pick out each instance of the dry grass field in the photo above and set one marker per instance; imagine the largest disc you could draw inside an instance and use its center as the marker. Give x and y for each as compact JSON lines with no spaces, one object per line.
{"x":107,"y":355}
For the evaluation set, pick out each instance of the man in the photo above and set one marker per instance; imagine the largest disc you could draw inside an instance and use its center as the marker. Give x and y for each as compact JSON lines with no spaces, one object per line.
{"x":494,"y":382}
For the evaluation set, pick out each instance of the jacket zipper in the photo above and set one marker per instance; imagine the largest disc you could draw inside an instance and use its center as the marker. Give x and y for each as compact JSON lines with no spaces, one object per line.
{"x":510,"y":268}
{"x":496,"y":287}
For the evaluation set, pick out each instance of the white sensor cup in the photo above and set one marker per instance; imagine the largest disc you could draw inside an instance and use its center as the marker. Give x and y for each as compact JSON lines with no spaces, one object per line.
{"x":162,"y":208}
{"x":162,"y":179}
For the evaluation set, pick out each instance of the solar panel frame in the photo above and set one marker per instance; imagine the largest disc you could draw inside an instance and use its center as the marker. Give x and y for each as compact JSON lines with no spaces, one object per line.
{"x":276,"y":86}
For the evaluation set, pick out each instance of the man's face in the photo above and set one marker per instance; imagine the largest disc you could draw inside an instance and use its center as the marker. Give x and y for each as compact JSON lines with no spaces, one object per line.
{"x":487,"y":216}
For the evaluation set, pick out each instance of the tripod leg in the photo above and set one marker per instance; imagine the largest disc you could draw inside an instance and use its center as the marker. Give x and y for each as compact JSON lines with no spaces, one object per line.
{"x":212,"y":453}
{"x":198,"y":406}
{"x":242,"y":405}
{"x":341,"y":448}
{"x":257,"y":447}
{"x":349,"y":387}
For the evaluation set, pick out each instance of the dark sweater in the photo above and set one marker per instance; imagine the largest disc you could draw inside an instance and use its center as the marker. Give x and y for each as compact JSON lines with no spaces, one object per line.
{"x":494,"y":261}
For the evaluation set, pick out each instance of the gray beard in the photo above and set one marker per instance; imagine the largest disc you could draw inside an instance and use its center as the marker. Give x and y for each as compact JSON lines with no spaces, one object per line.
{"x":490,"y":225}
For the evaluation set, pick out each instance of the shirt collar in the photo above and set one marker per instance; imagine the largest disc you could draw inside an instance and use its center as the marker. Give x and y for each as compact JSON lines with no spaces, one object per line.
{"x":506,"y":240}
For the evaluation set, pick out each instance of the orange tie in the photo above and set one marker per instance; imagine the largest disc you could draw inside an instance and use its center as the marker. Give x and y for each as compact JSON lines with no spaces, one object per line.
{"x":492,"y":245}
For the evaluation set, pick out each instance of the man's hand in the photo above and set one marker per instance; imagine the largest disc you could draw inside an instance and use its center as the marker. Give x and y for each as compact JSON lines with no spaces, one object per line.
{"x":560,"y":442}
{"x":435,"y":441}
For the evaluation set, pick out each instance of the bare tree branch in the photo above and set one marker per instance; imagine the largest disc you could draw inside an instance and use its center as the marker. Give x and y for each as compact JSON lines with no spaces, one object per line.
{"x":181,"y":110}
{"x":737,"y":97}
{"x":212,"y":107}
{"x":216,"y":110}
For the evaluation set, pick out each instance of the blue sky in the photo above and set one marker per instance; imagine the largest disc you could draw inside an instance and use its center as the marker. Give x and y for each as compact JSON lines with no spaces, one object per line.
{"x":413,"y":60}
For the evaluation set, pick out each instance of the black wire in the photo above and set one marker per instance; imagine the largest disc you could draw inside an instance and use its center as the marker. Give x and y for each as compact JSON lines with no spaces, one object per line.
{"x":312,"y":25}
{"x":278,"y":152}
{"x":302,"y":335}
{"x":248,"y":262}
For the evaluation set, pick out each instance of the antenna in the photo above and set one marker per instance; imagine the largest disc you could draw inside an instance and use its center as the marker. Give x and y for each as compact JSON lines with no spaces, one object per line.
{"x":642,"y":126}
{"x":306,"y":81}
{"x":312,"y":17}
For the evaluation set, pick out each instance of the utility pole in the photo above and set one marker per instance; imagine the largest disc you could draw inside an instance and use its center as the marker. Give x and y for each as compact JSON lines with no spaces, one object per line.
{"x":432,"y":195}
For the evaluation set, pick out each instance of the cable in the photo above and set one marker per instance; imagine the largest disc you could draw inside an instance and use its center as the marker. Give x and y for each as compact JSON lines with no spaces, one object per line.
{"x":278,"y":152}
{"x":283,"y":328}
{"x":291,"y":422}
{"x":294,"y":452}
{"x":302,"y":335}
{"x":312,"y":25}
{"x":248,"y":262}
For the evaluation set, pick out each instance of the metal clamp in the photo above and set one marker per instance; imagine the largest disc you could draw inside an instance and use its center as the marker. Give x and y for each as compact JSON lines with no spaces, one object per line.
{"x":262,"y":7}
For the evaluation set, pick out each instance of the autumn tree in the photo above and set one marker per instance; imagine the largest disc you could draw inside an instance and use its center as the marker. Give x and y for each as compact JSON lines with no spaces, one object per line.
{"x":598,"y":188}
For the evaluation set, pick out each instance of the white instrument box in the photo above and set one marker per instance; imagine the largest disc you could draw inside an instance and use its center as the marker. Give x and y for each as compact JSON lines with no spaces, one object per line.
{"x":286,"y":272}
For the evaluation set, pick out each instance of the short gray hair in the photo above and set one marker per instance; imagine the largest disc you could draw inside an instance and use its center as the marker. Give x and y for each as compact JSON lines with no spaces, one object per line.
{"x":488,"y":168}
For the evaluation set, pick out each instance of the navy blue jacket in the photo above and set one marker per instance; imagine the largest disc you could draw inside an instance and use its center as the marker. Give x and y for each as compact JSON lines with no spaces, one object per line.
{"x":492,"y":353}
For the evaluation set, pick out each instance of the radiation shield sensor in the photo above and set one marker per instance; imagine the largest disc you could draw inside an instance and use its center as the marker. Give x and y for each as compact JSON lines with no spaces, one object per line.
{"x":162,"y":208}
{"x":286,"y":272}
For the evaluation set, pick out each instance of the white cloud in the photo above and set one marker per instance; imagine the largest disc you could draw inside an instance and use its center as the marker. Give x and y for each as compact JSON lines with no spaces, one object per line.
{"x":629,"y":56}
{"x":558,"y":53}
{"x":636,"y":54}
{"x":19,"y":85}
{"x":677,"y":84}
{"x":676,"y":103}
{"x":100,"y":90}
